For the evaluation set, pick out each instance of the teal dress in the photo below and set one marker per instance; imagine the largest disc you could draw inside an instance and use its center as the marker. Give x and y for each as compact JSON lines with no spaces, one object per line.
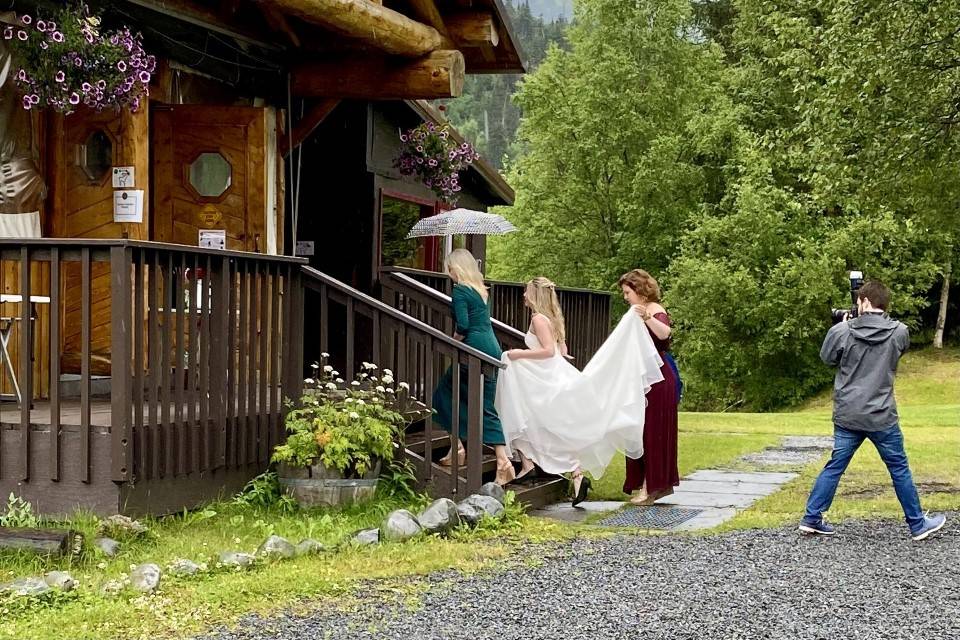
{"x":471,"y":315}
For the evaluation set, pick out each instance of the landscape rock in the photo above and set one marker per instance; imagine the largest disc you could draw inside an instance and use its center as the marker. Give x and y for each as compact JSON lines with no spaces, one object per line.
{"x":367,"y":536}
{"x":236,"y":559}
{"x":309,"y":546}
{"x":399,"y":526}
{"x":276,"y":547}
{"x":32,"y":586}
{"x":145,"y":578}
{"x":182,"y":567}
{"x":495,"y":491}
{"x":474,"y":508}
{"x":108,"y":546}
{"x":118,"y":525}
{"x":60,"y":580}
{"x":440,"y":517}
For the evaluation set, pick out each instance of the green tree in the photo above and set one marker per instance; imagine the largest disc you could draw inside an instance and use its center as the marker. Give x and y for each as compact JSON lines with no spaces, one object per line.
{"x":610,"y":174}
{"x":803,"y":201}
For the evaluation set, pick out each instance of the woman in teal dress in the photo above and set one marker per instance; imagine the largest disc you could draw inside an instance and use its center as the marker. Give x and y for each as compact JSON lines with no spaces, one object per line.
{"x":471,"y":314}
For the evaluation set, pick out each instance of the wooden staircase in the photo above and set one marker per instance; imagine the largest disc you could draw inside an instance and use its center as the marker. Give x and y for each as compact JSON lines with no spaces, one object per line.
{"x":544,"y":491}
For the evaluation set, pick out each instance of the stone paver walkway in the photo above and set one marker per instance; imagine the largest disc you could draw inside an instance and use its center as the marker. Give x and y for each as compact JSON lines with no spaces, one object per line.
{"x":718,"y":493}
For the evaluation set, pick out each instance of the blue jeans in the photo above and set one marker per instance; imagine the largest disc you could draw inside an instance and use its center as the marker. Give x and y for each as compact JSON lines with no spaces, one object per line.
{"x":889,"y":445}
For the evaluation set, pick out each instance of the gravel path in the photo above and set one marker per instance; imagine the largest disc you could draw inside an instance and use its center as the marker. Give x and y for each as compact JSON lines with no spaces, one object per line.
{"x":870,"y":582}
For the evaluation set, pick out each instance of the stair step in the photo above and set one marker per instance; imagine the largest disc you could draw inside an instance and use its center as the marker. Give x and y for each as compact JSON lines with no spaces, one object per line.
{"x":541,"y":492}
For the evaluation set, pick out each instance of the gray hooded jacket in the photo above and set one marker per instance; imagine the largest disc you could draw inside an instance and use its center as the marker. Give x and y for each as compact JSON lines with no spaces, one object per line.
{"x":866,"y":351}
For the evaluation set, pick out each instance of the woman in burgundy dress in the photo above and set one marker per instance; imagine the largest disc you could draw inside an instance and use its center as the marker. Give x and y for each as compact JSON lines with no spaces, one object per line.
{"x":655,"y":474}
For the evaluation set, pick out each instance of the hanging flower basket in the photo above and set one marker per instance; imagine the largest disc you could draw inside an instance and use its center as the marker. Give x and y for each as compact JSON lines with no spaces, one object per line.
{"x":65,"y":61}
{"x":430,"y":153}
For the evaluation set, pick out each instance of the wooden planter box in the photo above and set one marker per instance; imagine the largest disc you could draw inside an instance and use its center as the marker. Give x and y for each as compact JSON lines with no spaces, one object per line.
{"x":318,"y":486}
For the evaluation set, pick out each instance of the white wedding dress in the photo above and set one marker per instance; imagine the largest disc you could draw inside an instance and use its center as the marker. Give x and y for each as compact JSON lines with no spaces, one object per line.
{"x":562,"y":418}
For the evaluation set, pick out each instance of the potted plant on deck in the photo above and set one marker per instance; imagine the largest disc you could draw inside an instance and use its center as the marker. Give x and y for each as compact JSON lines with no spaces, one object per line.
{"x":341,"y":434}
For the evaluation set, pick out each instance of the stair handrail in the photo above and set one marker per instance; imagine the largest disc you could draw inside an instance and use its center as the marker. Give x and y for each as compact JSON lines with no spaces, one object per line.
{"x":439,"y":296}
{"x":318,"y":276}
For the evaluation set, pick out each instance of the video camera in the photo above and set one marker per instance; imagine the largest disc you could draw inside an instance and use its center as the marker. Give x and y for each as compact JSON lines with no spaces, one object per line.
{"x":839,"y":315}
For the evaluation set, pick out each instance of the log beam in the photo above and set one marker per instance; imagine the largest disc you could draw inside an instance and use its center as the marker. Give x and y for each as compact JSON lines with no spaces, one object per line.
{"x":370,"y":23}
{"x":437,"y":75}
{"x":308,"y":123}
{"x":473,"y":29}
{"x":42,"y":541}
{"x":427,"y":12}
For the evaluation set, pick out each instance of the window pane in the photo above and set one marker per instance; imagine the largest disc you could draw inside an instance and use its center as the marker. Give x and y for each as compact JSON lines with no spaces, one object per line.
{"x":398,"y":218}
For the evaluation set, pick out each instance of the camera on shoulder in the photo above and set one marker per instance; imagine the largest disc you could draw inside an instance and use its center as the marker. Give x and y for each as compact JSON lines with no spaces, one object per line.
{"x":839,"y":315}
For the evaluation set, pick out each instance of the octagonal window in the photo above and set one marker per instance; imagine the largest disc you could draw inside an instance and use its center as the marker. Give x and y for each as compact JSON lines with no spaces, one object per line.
{"x":96,"y":156}
{"x":210,"y":175}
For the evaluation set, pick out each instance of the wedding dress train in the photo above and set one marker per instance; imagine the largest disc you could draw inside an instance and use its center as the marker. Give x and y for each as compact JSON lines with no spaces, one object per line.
{"x":562,"y":418}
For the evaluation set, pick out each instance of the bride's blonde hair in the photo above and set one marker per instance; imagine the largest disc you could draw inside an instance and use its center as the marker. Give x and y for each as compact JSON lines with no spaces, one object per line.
{"x":462,"y":266}
{"x":543,"y":300}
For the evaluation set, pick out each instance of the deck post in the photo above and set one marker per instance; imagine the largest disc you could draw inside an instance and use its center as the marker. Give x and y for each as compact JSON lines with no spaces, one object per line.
{"x":120,"y":290}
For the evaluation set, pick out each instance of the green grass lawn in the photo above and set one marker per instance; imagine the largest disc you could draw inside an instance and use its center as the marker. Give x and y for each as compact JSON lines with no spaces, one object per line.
{"x":928,"y":395}
{"x":186,"y":606}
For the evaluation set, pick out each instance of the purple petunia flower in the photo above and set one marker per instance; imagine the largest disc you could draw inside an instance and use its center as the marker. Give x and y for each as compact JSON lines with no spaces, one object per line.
{"x":26,"y":102}
{"x":22,"y":35}
{"x":57,"y":36}
{"x":74,"y":99}
{"x":60,"y":77}
{"x":41,"y":25}
{"x":121,"y":66}
{"x":78,"y":61}
{"x":22,"y":75}
{"x":101,"y":84}
{"x":145,"y":77}
{"x":25,"y":19}
{"x":34,"y":98}
{"x":44,"y":45}
{"x":86,"y":87}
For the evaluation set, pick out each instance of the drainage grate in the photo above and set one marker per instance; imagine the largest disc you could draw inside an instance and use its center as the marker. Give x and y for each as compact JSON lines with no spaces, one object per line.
{"x":651,"y":517}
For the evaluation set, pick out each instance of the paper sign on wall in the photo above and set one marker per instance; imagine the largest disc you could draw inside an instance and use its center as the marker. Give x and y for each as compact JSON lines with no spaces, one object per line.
{"x":213,"y":238}
{"x":123,"y":177}
{"x":304,"y":247}
{"x":128,"y":206}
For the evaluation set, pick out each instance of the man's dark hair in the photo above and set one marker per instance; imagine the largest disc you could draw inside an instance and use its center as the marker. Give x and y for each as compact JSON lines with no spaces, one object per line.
{"x":876,"y":292}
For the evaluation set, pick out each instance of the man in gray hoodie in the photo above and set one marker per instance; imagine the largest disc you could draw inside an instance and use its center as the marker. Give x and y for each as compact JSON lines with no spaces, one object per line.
{"x":866,"y":351}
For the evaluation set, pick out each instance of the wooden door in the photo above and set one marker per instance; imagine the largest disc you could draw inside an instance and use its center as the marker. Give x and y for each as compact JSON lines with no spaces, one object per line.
{"x":210,"y":173}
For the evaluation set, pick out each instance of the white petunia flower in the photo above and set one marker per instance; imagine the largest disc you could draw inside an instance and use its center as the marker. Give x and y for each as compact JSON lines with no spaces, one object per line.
{"x":314,"y":366}
{"x":388,"y":379}
{"x":308,"y":380}
{"x":324,"y":355}
{"x":328,"y":368}
{"x":403,"y":385}
{"x":389,"y":390}
{"x":354,"y":415}
{"x":387,"y":372}
{"x":355,"y":383}
{"x":340,"y":380}
{"x":381,"y":389}
{"x":331,"y":385}
{"x":349,"y":400}
{"x":361,"y":402}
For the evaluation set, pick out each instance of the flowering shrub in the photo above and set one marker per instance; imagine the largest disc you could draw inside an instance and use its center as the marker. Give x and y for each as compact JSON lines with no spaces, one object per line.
{"x":65,"y":61}
{"x":348,"y":427}
{"x":430,"y":153}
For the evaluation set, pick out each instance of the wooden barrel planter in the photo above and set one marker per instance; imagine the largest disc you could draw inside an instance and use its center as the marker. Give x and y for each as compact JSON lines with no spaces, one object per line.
{"x":318,"y":486}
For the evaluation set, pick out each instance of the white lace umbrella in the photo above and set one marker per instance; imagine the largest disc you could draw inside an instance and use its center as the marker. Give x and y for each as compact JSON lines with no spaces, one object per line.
{"x":462,"y":221}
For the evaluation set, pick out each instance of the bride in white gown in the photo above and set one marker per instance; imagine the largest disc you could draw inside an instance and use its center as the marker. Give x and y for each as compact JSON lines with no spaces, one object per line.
{"x":568,"y":421}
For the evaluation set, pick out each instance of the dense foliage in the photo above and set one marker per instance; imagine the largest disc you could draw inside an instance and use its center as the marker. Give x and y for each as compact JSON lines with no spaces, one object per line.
{"x":748,"y":153}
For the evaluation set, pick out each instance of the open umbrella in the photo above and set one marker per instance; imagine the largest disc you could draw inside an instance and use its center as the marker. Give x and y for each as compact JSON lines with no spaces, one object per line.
{"x":462,"y":221}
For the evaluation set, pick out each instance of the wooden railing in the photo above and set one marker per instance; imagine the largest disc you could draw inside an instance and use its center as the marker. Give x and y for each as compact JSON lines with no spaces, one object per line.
{"x":418,"y":354}
{"x":200,"y":347}
{"x":587,"y":313}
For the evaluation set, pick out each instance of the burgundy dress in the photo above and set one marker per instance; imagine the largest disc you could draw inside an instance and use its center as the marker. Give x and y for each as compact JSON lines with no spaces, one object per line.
{"x":658,"y":466}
